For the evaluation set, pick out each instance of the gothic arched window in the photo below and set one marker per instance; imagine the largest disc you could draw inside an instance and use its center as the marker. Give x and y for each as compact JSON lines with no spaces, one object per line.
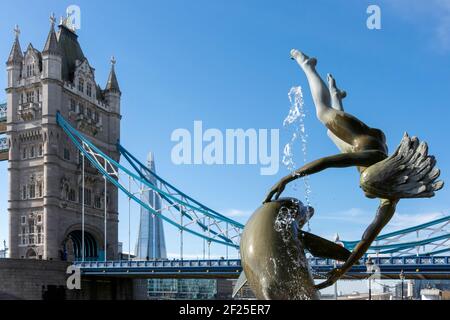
{"x":81,"y":85}
{"x":89,"y":89}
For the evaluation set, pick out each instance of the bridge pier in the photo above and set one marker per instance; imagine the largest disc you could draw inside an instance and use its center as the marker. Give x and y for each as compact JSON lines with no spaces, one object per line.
{"x":42,"y":279}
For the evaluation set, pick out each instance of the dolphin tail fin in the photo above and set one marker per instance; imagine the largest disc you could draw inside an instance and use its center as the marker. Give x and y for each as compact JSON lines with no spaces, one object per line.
{"x":242,"y":280}
{"x":323,"y":248}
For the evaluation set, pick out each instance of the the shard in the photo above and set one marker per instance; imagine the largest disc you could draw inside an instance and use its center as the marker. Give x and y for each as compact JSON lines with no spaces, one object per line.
{"x":150,"y":243}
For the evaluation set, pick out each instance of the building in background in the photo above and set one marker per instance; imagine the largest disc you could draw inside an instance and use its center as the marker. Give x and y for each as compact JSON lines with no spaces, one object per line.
{"x":151,"y":243}
{"x":190,"y":289}
{"x":45,"y":168}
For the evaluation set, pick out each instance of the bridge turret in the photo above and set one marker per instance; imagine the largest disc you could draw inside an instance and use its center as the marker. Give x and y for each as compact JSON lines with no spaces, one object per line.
{"x":15,"y":60}
{"x":112,"y":96}
{"x":51,"y":55}
{"x":112,"y":89}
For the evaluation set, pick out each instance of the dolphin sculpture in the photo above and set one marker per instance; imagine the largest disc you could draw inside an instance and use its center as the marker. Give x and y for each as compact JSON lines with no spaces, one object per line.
{"x":273,"y":252}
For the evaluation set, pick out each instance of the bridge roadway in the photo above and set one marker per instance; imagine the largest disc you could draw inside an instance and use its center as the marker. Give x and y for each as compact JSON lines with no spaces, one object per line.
{"x":413,"y":267}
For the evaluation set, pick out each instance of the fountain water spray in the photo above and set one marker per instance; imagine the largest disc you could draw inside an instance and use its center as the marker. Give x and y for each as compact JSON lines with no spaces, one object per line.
{"x":295,"y":122}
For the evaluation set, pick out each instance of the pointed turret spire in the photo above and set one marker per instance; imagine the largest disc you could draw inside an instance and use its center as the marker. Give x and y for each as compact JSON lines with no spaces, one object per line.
{"x":16,"y":55}
{"x":51,"y":45}
{"x":112,"y":85}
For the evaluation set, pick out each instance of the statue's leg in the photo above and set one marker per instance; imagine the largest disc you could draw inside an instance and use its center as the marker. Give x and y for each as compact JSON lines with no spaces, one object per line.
{"x":336,"y":95}
{"x":384,"y":214}
{"x":319,"y":91}
{"x":344,"y":126}
{"x":342,"y":160}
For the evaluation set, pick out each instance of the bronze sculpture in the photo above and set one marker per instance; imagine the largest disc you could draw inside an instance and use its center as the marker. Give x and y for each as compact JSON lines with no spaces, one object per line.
{"x":273,"y":252}
{"x":408,"y":173}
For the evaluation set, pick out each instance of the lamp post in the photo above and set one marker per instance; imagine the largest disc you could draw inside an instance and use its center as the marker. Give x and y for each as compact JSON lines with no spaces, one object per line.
{"x":369,"y":266}
{"x":402,"y":277}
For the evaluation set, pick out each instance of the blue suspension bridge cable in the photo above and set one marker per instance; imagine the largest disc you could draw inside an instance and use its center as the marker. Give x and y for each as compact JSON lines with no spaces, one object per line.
{"x":80,"y":142}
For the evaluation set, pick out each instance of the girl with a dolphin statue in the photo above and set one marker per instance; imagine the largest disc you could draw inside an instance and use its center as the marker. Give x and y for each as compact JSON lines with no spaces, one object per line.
{"x":408,"y":173}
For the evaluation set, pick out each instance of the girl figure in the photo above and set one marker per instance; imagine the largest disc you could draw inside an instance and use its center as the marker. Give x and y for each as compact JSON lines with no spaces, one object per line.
{"x":408,"y":173}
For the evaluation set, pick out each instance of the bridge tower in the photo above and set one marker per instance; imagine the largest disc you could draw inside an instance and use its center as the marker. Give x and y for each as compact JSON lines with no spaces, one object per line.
{"x":45,"y":169}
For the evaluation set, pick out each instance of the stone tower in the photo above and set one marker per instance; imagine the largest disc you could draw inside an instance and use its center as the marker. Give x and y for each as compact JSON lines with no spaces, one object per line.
{"x":44,"y":167}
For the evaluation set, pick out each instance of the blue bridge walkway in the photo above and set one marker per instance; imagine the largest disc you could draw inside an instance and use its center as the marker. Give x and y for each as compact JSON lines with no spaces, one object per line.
{"x":418,"y":267}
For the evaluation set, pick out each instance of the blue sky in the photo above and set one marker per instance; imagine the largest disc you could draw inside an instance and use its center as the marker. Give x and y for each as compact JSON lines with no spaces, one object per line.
{"x":227,"y":63}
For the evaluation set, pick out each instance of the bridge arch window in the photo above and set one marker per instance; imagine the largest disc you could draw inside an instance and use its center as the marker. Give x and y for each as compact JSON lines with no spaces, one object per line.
{"x":31,"y":226}
{"x":80,"y":195}
{"x":40,"y":150}
{"x":88,"y":197}
{"x":81,"y":108}
{"x":81,"y":85}
{"x":66,"y":154}
{"x":39,"y":235}
{"x":24,"y":153}
{"x":23,"y":220}
{"x":32,"y":152}
{"x":39,"y":190}
{"x":32,"y":188}
{"x":72,"y":249}
{"x":24,"y":192}
{"x":71,"y":195}
{"x":30,"y":96}
{"x":89,"y":89}
{"x":97,"y":202}
{"x":30,"y":69}
{"x":31,"y":254}
{"x":73,"y":105}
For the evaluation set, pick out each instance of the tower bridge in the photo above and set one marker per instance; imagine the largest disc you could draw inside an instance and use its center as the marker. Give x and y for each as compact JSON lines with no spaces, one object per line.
{"x":60,"y":133}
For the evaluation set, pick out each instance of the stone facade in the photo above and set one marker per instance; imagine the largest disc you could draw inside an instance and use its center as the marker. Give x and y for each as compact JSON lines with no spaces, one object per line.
{"x":44,"y":166}
{"x":46,"y":280}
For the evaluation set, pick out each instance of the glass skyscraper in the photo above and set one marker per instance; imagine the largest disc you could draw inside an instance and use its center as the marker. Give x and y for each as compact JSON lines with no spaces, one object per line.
{"x":150,"y":243}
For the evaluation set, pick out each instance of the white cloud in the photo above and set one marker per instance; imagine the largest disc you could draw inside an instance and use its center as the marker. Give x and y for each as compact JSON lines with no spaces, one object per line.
{"x":434,"y":14}
{"x":354,"y":215}
{"x":236,"y":213}
{"x":401,"y":221}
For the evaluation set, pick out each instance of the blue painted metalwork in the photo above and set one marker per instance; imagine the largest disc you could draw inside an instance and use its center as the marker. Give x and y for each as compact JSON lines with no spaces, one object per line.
{"x":420,"y":266}
{"x":136,"y":164}
{"x":4,"y":146}
{"x":352,"y":244}
{"x":191,"y":208}
{"x":98,"y":158}
{"x":139,"y":168}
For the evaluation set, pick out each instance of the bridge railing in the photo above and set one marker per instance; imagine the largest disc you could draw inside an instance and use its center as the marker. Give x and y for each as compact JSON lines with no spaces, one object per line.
{"x":159,"y":263}
{"x":443,"y":260}
{"x":314,"y":262}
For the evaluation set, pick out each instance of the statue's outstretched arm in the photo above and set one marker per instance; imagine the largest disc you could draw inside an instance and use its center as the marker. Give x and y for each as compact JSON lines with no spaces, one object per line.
{"x":342,"y":160}
{"x":384,"y":213}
